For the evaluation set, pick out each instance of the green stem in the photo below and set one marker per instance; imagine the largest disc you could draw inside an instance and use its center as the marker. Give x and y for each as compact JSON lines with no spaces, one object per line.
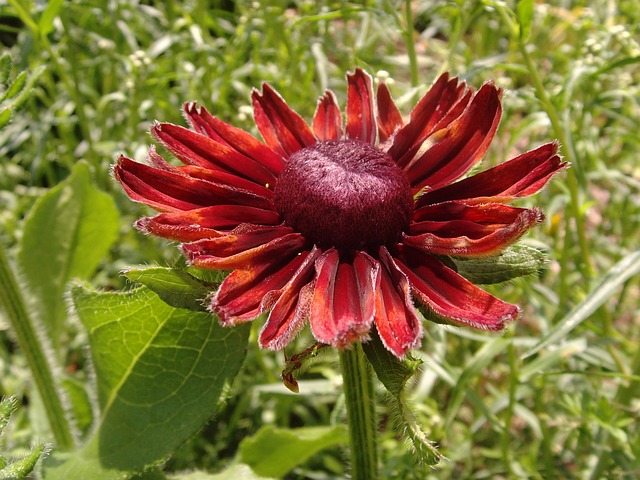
{"x":358,"y":392}
{"x":567,"y":147}
{"x":13,"y":304}
{"x":411,"y":49}
{"x":572,"y":179}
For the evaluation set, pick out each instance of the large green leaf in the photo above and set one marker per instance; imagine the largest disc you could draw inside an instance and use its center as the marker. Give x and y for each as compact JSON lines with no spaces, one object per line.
{"x":233,"y":472}
{"x":273,"y":452}
{"x":160,"y":373}
{"x":66,"y":235}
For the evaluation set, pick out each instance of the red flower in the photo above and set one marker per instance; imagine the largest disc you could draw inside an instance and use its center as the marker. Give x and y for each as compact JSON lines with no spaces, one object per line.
{"x":346,"y":226}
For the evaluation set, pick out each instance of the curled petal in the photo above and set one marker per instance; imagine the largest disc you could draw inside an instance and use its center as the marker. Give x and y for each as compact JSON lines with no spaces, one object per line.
{"x":194,"y":148}
{"x":361,"y":117}
{"x":245,"y":143}
{"x":450,"y":152}
{"x":291,"y":309}
{"x":431,"y":108}
{"x":155,"y":160}
{"x":219,"y":177}
{"x":241,"y":297}
{"x":454,"y":228}
{"x":243,"y":250}
{"x":450,"y":296}
{"x":342,"y":308}
{"x":205,"y":222}
{"x":327,"y":121}
{"x":282,"y":129}
{"x":397,"y":321}
{"x":519,"y":177}
{"x":389,"y":118}
{"x":169,"y":190}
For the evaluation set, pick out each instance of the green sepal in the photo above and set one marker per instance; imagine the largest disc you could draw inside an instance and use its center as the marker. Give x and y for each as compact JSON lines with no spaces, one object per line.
{"x":391,"y":371}
{"x":175,"y":287}
{"x":21,"y":468}
{"x":515,"y":261}
{"x":7,"y":407}
{"x":394,"y":374}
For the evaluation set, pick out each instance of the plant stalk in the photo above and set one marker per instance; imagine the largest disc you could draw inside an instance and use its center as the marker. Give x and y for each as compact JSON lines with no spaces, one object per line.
{"x":13,"y":304}
{"x":360,"y":402}
{"x":409,"y":42}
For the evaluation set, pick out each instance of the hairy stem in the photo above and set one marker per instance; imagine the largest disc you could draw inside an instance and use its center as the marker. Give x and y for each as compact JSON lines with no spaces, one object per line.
{"x":358,"y":392}
{"x":13,"y":304}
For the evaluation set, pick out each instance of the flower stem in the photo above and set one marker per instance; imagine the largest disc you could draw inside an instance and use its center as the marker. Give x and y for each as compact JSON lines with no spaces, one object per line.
{"x":12,"y":303}
{"x":358,"y":392}
{"x":409,"y":42}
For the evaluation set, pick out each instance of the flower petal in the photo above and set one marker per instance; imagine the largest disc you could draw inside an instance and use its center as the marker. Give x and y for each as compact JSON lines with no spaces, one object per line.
{"x":397,"y":322}
{"x":205,"y":222}
{"x":194,"y":148}
{"x":430,"y":109}
{"x":327,"y":121}
{"x":241,"y":295}
{"x":450,"y":296}
{"x":343,"y":303}
{"x":291,"y":309}
{"x":454,"y":228}
{"x":389,"y":118}
{"x":217,"y":176}
{"x":282,"y":129}
{"x":244,"y":247}
{"x":519,"y":177}
{"x":170,"y":190}
{"x":361,"y":117}
{"x":243,"y":142}
{"x":450,"y":152}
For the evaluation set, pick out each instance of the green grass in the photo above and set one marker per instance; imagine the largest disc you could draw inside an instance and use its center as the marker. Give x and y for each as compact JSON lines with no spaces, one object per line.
{"x":571,"y":409}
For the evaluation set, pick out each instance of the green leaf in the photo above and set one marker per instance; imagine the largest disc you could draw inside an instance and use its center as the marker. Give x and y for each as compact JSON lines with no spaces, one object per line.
{"x":619,"y":273}
{"x":234,"y":472}
{"x":5,"y":67}
{"x":175,"y":287}
{"x":5,"y":116}
{"x":515,"y":261}
{"x":23,"y":467}
{"x":474,"y":368}
{"x":45,"y":24}
{"x":16,"y":86}
{"x":7,"y":407}
{"x":24,"y":15}
{"x":66,"y":235}
{"x":524,"y":14}
{"x":79,"y":402}
{"x":160,"y":373}
{"x":272,"y":452}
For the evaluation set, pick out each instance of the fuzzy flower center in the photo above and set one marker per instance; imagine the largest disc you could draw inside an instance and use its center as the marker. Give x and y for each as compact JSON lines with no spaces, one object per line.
{"x":345,"y":194}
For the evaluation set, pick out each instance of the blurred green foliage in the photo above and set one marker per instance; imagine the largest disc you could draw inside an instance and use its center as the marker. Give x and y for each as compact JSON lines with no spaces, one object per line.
{"x":99,"y":72}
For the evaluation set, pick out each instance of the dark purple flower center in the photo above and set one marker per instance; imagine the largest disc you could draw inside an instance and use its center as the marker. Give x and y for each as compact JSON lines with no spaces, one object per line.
{"x":344,"y":194}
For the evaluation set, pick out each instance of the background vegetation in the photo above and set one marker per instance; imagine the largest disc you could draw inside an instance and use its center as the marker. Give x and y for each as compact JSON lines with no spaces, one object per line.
{"x":557,"y":397}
